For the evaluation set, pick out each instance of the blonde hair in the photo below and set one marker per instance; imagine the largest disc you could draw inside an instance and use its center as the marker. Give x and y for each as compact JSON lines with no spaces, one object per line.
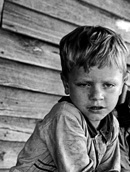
{"x":90,"y":46}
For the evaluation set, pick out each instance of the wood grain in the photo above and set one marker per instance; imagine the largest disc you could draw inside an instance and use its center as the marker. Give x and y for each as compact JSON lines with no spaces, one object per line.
{"x":25,"y":21}
{"x":26,"y":104}
{"x":55,"y":22}
{"x":28,"y":77}
{"x":27,"y":50}
{"x":8,"y":153}
{"x":67,"y":9}
{"x":30,"y":64}
{"x":116,"y":7}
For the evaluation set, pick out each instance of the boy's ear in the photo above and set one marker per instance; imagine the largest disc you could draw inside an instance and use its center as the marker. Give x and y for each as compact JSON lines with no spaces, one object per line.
{"x":127,"y":77}
{"x":122,"y":97}
{"x":65,"y":83}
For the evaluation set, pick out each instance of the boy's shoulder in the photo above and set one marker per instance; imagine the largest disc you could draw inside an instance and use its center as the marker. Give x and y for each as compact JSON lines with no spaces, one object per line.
{"x":66,"y":107}
{"x":63,"y":108}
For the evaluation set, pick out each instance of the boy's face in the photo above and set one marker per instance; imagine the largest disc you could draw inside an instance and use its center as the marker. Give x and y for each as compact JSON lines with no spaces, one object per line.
{"x":95,"y":93}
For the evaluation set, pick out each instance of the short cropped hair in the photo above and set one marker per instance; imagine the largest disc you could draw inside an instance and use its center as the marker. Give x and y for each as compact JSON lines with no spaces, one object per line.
{"x":89,"y":46}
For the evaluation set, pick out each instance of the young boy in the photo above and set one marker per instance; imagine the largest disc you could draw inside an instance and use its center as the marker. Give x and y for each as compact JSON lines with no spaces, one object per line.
{"x":80,"y":133}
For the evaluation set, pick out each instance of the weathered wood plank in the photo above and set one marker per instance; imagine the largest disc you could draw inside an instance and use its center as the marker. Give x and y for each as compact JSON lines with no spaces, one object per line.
{"x":18,"y":124}
{"x":8,"y":153}
{"x":27,"y":50}
{"x":11,"y":135}
{"x":21,"y":103}
{"x":117,"y":7}
{"x":31,"y":51}
{"x":61,"y":9}
{"x":30,"y":77}
{"x":65,"y":11}
{"x":28,"y":22}
{"x":16,"y":129}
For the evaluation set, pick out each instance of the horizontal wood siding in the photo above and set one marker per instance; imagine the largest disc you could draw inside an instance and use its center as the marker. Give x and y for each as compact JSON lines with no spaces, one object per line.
{"x":117,"y":7}
{"x":27,"y":104}
{"x":29,"y":22}
{"x":14,"y":74}
{"x":30,"y":63}
{"x":8,"y":152}
{"x":27,"y":50}
{"x":20,"y":113}
{"x":55,"y":23}
{"x":30,"y":72}
{"x":68,"y":8}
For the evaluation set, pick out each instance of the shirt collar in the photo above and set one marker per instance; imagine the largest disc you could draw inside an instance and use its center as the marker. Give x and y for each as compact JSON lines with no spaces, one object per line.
{"x":105,"y":128}
{"x":106,"y":125}
{"x":65,"y":98}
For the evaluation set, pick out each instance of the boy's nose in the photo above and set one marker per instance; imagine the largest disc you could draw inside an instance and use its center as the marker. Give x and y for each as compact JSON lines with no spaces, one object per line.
{"x":97,"y":93}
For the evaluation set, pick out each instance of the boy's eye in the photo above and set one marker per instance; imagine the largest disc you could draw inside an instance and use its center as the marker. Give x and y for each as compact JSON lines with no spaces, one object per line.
{"x":108,"y":85}
{"x":87,"y":84}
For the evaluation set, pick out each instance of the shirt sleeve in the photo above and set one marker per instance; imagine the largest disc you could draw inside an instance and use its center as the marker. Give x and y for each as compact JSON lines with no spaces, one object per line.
{"x":71,"y":153}
{"x":111,"y":159}
{"x":32,"y":150}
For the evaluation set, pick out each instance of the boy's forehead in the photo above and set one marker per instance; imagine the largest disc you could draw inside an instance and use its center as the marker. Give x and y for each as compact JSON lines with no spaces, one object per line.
{"x":104,"y":73}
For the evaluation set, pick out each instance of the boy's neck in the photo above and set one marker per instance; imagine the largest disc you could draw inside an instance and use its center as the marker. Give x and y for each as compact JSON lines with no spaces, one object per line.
{"x":95,"y":124}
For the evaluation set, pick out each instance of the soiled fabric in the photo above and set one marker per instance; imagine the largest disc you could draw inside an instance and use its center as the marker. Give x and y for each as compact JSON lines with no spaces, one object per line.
{"x":124,"y":138}
{"x":65,"y":141}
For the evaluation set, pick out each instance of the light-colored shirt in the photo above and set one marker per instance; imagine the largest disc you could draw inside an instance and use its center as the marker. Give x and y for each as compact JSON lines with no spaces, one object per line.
{"x":65,"y":141}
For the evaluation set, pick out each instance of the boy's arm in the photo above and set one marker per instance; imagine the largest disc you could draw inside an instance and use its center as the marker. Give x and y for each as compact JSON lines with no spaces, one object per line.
{"x":33,"y":150}
{"x":71,"y":152}
{"x":66,"y":143}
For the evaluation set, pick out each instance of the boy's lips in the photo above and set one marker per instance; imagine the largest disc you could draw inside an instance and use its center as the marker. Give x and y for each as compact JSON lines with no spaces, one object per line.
{"x":96,"y":108}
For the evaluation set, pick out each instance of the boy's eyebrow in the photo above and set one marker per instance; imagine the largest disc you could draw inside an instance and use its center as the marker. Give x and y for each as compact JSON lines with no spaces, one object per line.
{"x":90,"y":80}
{"x":82,"y":80}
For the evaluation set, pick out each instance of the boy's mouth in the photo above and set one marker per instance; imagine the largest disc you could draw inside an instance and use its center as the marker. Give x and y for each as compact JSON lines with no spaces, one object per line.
{"x":96,"y":108}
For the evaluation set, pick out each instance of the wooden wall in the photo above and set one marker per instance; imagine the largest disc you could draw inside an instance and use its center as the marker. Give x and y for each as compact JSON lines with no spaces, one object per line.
{"x":29,"y":59}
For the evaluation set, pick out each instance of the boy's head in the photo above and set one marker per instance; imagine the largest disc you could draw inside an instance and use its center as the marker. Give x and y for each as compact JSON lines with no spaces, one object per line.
{"x":94,"y":68}
{"x":89,"y":46}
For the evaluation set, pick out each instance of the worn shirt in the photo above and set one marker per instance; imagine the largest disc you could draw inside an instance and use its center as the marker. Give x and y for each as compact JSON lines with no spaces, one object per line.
{"x":65,"y":141}
{"x":124,"y":138}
